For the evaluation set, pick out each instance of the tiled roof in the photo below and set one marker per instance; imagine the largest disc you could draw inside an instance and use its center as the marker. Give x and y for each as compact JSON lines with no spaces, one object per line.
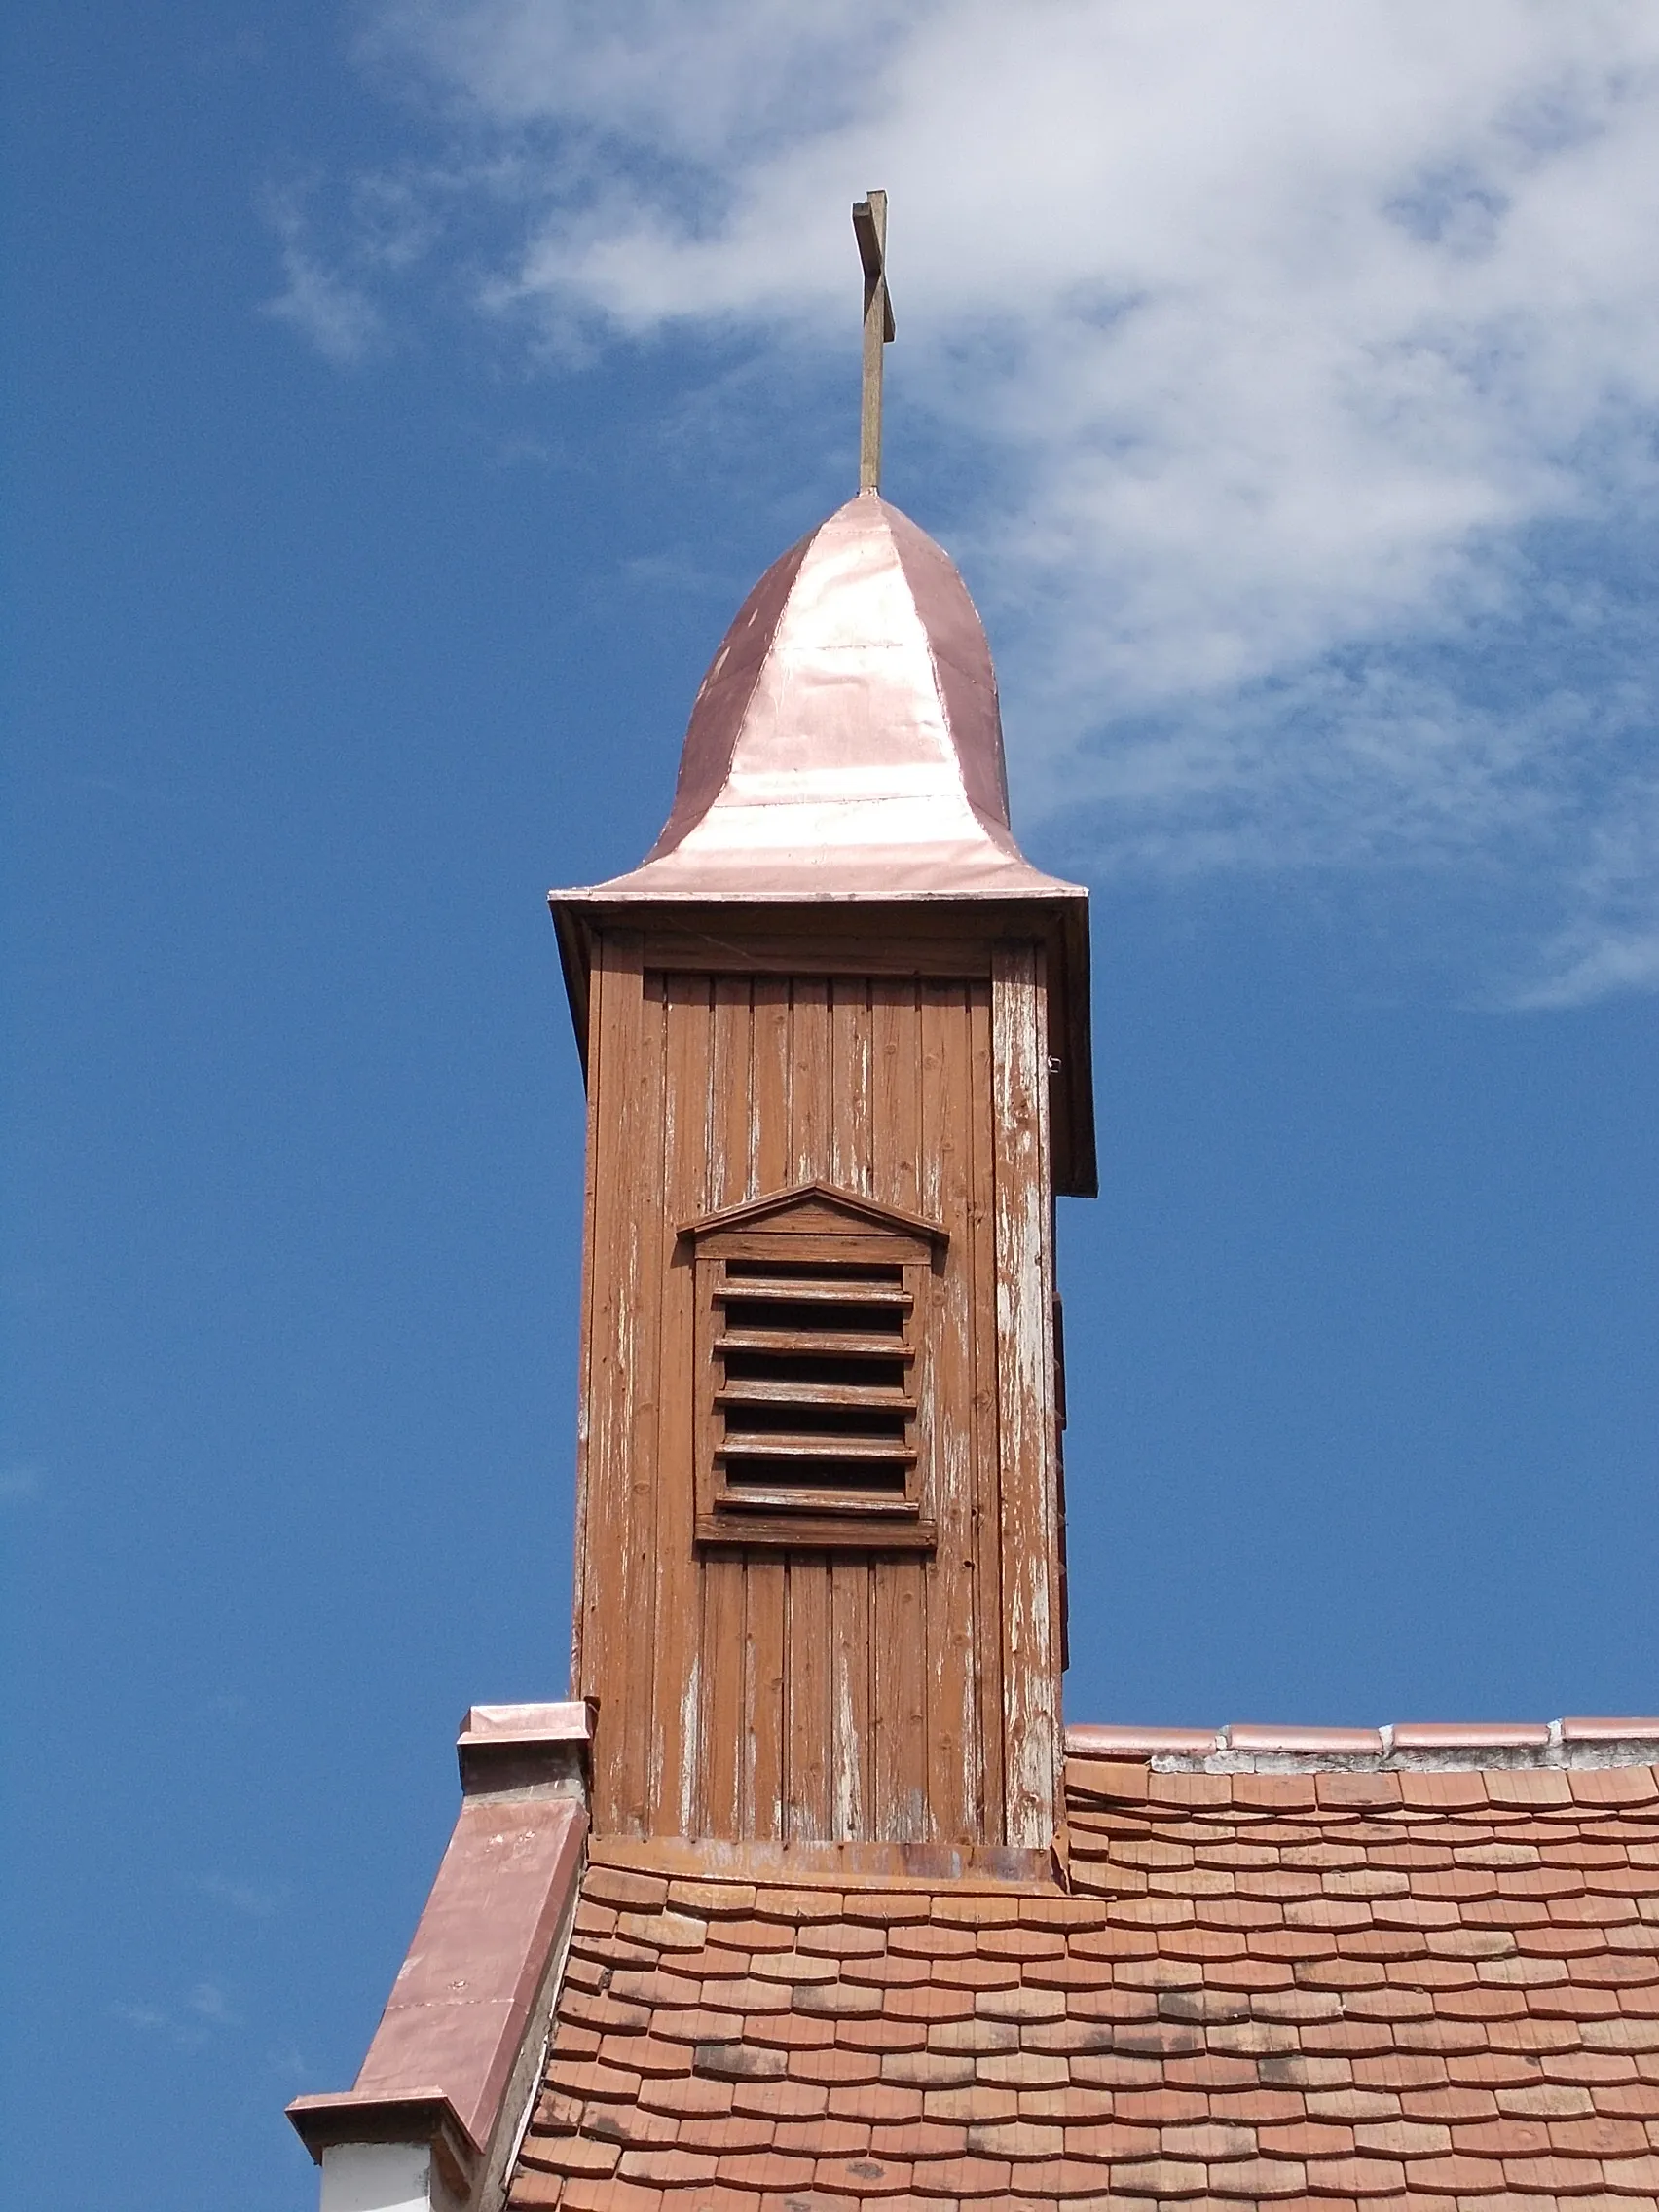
{"x":1336,"y":1987}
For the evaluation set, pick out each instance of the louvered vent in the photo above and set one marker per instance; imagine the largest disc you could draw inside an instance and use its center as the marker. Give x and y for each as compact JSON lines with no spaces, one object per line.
{"x":812,"y":1394}
{"x":811,"y":1339}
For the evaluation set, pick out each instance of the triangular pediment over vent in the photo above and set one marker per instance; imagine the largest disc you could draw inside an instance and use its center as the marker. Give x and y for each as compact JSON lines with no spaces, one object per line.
{"x":818,"y":1209}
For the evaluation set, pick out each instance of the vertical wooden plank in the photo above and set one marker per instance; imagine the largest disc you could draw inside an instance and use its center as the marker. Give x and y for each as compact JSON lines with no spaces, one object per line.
{"x":616,"y":976}
{"x":850,"y":1686}
{"x":851,"y":1791}
{"x":900,"y":1624}
{"x":621,"y":1372}
{"x":901,"y":1700}
{"x":811,"y":1102}
{"x":723,"y":1725}
{"x":595,"y":1061}
{"x":956,"y":1780}
{"x":809,"y":1745}
{"x":770,"y":1145}
{"x":772,"y":1154}
{"x":674,"y":1656}
{"x":986,"y":1469}
{"x":638,"y":1474}
{"x":895,"y":1122}
{"x":850,"y":1083}
{"x":1025,"y":1393}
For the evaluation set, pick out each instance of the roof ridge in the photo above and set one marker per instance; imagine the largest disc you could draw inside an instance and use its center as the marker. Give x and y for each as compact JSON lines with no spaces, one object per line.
{"x":1439,"y":1747}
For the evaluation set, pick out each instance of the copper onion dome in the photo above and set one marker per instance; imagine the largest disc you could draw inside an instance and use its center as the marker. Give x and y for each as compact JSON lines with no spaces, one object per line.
{"x":846,"y":741}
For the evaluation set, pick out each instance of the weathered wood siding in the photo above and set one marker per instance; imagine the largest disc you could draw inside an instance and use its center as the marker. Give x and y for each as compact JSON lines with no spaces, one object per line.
{"x":812,"y":1697}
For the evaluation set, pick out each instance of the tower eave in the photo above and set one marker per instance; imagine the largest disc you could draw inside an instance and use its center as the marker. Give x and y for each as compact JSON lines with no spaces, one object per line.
{"x":1016,"y":902}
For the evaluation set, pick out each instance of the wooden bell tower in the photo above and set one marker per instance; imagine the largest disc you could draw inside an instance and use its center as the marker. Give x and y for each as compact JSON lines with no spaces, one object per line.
{"x":835,"y":1032}
{"x":836,"y":1043}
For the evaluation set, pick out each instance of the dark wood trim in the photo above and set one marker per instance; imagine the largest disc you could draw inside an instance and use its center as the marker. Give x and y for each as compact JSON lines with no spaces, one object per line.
{"x":752,"y":1211}
{"x":990,"y":1868}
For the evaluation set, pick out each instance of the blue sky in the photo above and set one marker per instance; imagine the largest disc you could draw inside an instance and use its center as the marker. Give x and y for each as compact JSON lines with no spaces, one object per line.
{"x":403,"y":398}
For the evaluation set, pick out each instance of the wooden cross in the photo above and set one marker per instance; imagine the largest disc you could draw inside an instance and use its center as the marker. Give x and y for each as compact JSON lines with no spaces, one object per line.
{"x":869,"y":228}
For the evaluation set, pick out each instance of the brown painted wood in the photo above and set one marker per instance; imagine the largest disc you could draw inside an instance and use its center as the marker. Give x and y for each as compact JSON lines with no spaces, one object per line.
{"x":987,"y":1465}
{"x":850,"y":1691}
{"x":955,"y":1759}
{"x":985,"y":1870}
{"x":847,"y":1343}
{"x":1025,"y":1397}
{"x":613,"y":1368}
{"x":810,"y":1750}
{"x":723,"y":1578}
{"x":914,"y":951}
{"x":818,"y":1206}
{"x":904,"y":1813}
{"x":900,"y":1627}
{"x":810,"y":1096}
{"x":850,"y":1083}
{"x":675,"y":1657}
{"x":764,"y":1683}
{"x":584,"y":1349}
{"x":629,"y":1759}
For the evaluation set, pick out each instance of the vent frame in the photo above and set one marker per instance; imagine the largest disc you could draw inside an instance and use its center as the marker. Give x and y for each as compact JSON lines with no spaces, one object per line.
{"x":816,"y":1303}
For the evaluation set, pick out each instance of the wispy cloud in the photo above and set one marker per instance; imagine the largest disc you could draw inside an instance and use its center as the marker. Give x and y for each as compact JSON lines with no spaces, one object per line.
{"x":257,"y":1901}
{"x":333,"y":315}
{"x":204,"y":2010}
{"x":1308,"y":349}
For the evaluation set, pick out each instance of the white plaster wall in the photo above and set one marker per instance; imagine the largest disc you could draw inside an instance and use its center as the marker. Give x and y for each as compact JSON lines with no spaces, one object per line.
{"x":382,"y":2177}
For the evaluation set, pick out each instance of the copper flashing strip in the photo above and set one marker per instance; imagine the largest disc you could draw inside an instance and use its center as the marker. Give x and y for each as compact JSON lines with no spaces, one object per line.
{"x":1471,"y":1735}
{"x":478,"y":1982}
{"x":1093,"y":1741}
{"x":418,"y":2116}
{"x":528,"y":1746}
{"x":1311,"y":1743}
{"x":1440,"y":1747}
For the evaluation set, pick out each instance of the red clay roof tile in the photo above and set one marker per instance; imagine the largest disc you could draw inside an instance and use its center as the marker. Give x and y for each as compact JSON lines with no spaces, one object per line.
{"x":1273,"y":1987}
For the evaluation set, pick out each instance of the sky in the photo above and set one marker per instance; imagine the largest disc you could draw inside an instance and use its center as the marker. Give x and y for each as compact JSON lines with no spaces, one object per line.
{"x":402,"y":397}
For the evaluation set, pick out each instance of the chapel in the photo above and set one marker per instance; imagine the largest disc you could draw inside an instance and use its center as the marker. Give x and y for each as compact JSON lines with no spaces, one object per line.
{"x":810,"y":1896}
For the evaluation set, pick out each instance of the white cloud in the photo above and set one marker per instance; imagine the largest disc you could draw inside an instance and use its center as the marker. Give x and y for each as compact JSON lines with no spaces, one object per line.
{"x":336,"y":317}
{"x":1296,"y":337}
{"x":205,"y":2006}
{"x":250,"y":1897}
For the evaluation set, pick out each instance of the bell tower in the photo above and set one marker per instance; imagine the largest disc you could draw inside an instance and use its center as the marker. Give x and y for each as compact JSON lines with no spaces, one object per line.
{"x":836,"y":1033}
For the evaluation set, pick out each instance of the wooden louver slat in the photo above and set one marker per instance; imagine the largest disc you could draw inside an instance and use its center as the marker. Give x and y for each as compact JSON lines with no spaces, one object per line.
{"x":843,"y":1398}
{"x":790,"y":1444}
{"x":811,"y":1289}
{"x":830,"y":1343}
{"x":810,"y":1384}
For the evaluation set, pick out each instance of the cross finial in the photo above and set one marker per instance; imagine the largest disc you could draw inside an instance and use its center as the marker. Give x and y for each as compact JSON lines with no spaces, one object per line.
{"x":869,"y":228}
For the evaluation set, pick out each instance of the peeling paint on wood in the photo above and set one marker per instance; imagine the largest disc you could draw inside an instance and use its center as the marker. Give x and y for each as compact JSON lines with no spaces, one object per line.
{"x":812,"y":1698}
